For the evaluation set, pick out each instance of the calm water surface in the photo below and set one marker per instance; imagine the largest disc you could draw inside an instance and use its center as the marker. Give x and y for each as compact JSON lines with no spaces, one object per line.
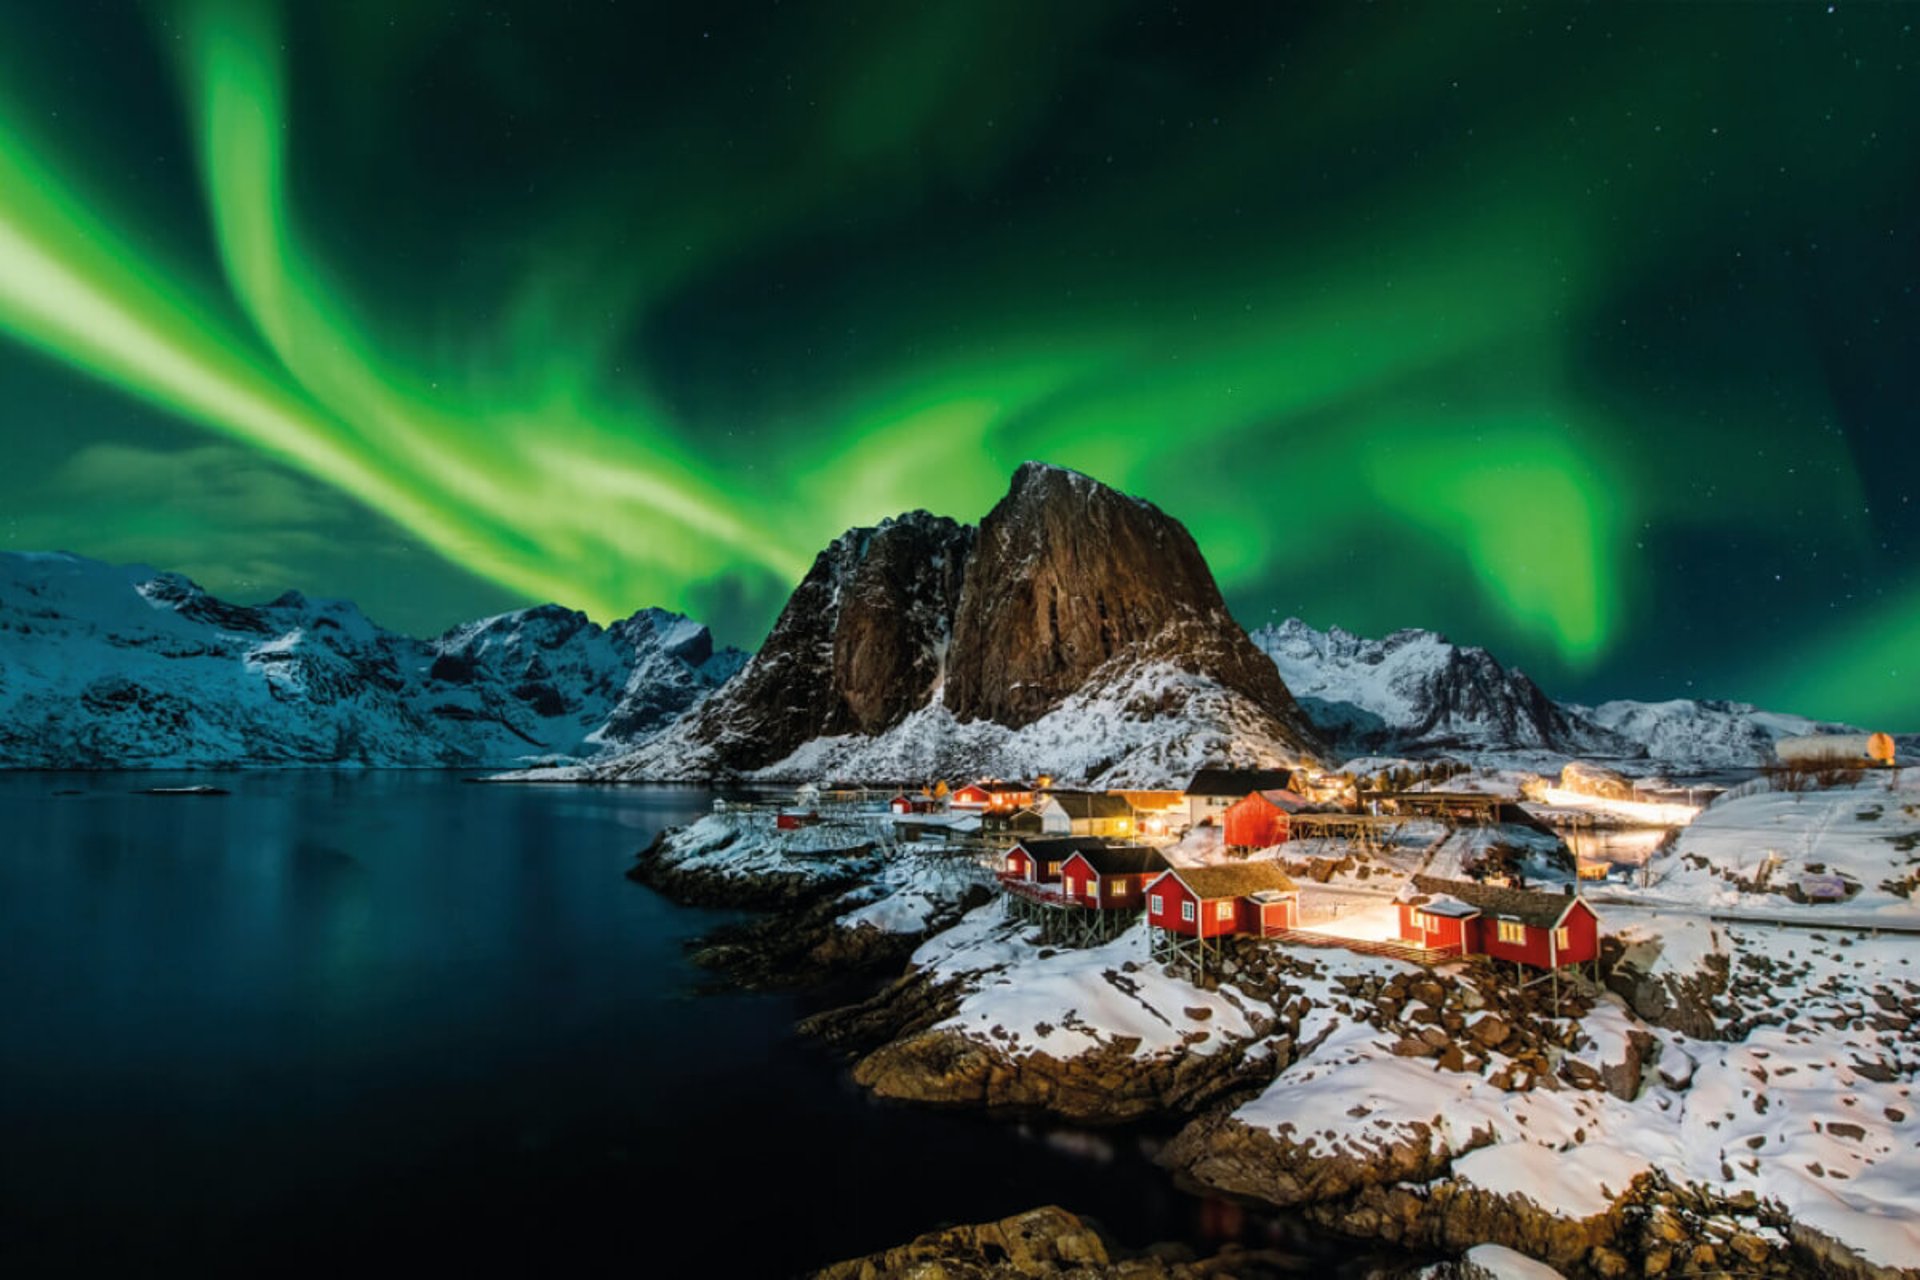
{"x":353,"y":1021}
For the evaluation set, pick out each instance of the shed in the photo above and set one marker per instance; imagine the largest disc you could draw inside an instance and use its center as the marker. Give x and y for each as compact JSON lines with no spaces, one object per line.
{"x":1261,"y":819}
{"x":1212,"y":790}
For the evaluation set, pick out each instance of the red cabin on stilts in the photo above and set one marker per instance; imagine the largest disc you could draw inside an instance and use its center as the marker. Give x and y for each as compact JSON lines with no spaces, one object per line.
{"x":1525,"y":926}
{"x":1188,"y":907}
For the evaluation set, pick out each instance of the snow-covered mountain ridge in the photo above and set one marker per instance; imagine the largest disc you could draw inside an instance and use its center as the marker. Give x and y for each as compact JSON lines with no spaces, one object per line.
{"x":105,"y":666}
{"x":1416,"y":692}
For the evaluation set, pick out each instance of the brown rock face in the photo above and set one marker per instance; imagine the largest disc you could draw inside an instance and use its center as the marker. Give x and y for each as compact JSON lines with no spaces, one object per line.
{"x":857,"y":648}
{"x":1066,"y":585}
{"x":1066,"y":575}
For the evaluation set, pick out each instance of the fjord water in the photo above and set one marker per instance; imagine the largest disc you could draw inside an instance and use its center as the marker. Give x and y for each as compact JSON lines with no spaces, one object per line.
{"x":348,"y":1019}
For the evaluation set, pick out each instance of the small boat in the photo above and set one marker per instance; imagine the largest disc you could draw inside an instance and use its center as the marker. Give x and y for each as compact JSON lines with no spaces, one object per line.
{"x":202,"y":790}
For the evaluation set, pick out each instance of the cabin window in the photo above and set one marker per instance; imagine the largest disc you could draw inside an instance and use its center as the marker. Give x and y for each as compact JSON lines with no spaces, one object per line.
{"x":1223,"y":911}
{"x":1186,"y":912}
{"x":1421,"y":921}
{"x":1073,"y":887}
{"x":1053,"y":868}
{"x":1119,"y":888}
{"x":1513,"y":931}
{"x":1155,"y":905}
{"x":1562,"y":938}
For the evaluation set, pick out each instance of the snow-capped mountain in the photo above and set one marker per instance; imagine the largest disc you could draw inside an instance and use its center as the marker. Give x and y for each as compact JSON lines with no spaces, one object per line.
{"x":1691,"y":733}
{"x":1417,"y":691}
{"x":1077,"y":632}
{"x":105,"y":666}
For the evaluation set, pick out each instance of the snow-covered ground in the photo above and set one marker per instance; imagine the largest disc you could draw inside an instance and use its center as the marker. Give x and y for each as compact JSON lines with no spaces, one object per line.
{"x":1750,"y":854}
{"x":1027,"y":997}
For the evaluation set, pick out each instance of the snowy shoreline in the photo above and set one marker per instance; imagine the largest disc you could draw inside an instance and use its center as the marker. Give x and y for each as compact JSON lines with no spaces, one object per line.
{"x":1680,"y":1110}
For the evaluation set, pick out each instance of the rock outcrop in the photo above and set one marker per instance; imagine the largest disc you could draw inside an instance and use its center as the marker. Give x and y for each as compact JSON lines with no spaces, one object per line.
{"x":860,"y":644}
{"x":1048,"y":1243}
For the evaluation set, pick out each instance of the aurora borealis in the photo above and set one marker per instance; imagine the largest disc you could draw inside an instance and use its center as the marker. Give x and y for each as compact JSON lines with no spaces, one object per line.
{"x":1583,"y":333}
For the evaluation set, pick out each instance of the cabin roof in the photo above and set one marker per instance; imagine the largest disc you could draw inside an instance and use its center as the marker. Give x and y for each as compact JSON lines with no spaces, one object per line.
{"x":1123,"y":860}
{"x":998,"y":788}
{"x":1091,"y":804}
{"x":1238,"y":782}
{"x":1060,"y":848}
{"x":1529,"y":906}
{"x":1234,"y":880}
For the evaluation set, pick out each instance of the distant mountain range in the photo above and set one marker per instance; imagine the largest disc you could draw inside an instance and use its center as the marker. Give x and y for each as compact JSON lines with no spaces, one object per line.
{"x":105,"y":666}
{"x":1417,"y":693}
{"x":1076,"y":632}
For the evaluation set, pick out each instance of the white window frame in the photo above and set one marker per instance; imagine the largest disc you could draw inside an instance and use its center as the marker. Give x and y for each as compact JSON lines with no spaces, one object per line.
{"x":1223,"y":909}
{"x":1511,"y":932}
{"x":1187,"y":912}
{"x":1155,"y":904}
{"x":1562,"y":938}
{"x":1422,"y":922}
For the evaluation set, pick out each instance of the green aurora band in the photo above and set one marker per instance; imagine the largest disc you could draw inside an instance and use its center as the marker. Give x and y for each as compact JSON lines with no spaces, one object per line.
{"x":1391,"y":377}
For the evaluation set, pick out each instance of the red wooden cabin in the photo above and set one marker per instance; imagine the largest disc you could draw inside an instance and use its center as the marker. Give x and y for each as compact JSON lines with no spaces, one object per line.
{"x":904,"y":803}
{"x":1525,"y":926}
{"x":991,"y":796}
{"x":1041,"y":861}
{"x":793,"y":820}
{"x":1111,"y":879}
{"x":1440,"y":923}
{"x":1260,"y":819}
{"x":1208,"y":902}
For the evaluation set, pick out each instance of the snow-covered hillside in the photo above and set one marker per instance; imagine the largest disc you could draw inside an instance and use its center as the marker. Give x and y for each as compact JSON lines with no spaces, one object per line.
{"x":1418,"y":691}
{"x":105,"y":666}
{"x":1150,"y":726}
{"x":1694,"y":733}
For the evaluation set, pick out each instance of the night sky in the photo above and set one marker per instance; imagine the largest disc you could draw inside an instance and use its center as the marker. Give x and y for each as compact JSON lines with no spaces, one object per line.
{"x":1586,"y":333}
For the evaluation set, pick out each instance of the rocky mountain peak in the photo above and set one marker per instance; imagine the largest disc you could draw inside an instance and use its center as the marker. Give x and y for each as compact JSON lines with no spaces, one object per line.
{"x":1067,"y":590}
{"x":1066,"y":575}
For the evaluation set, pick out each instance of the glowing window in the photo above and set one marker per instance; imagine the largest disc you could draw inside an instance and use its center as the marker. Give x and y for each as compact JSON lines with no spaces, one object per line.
{"x":1512,"y":931}
{"x":1223,"y":911}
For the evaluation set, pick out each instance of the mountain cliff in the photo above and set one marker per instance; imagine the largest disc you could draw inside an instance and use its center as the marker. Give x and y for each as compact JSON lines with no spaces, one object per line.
{"x":1076,"y":632}
{"x":105,"y":666}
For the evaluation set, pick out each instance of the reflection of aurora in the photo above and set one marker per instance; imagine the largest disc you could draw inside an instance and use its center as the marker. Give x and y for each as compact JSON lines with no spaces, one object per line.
{"x":1380,"y":394}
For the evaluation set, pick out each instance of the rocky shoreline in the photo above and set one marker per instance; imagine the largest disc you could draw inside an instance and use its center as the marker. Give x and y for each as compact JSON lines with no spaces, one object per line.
{"x":959,"y":1028}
